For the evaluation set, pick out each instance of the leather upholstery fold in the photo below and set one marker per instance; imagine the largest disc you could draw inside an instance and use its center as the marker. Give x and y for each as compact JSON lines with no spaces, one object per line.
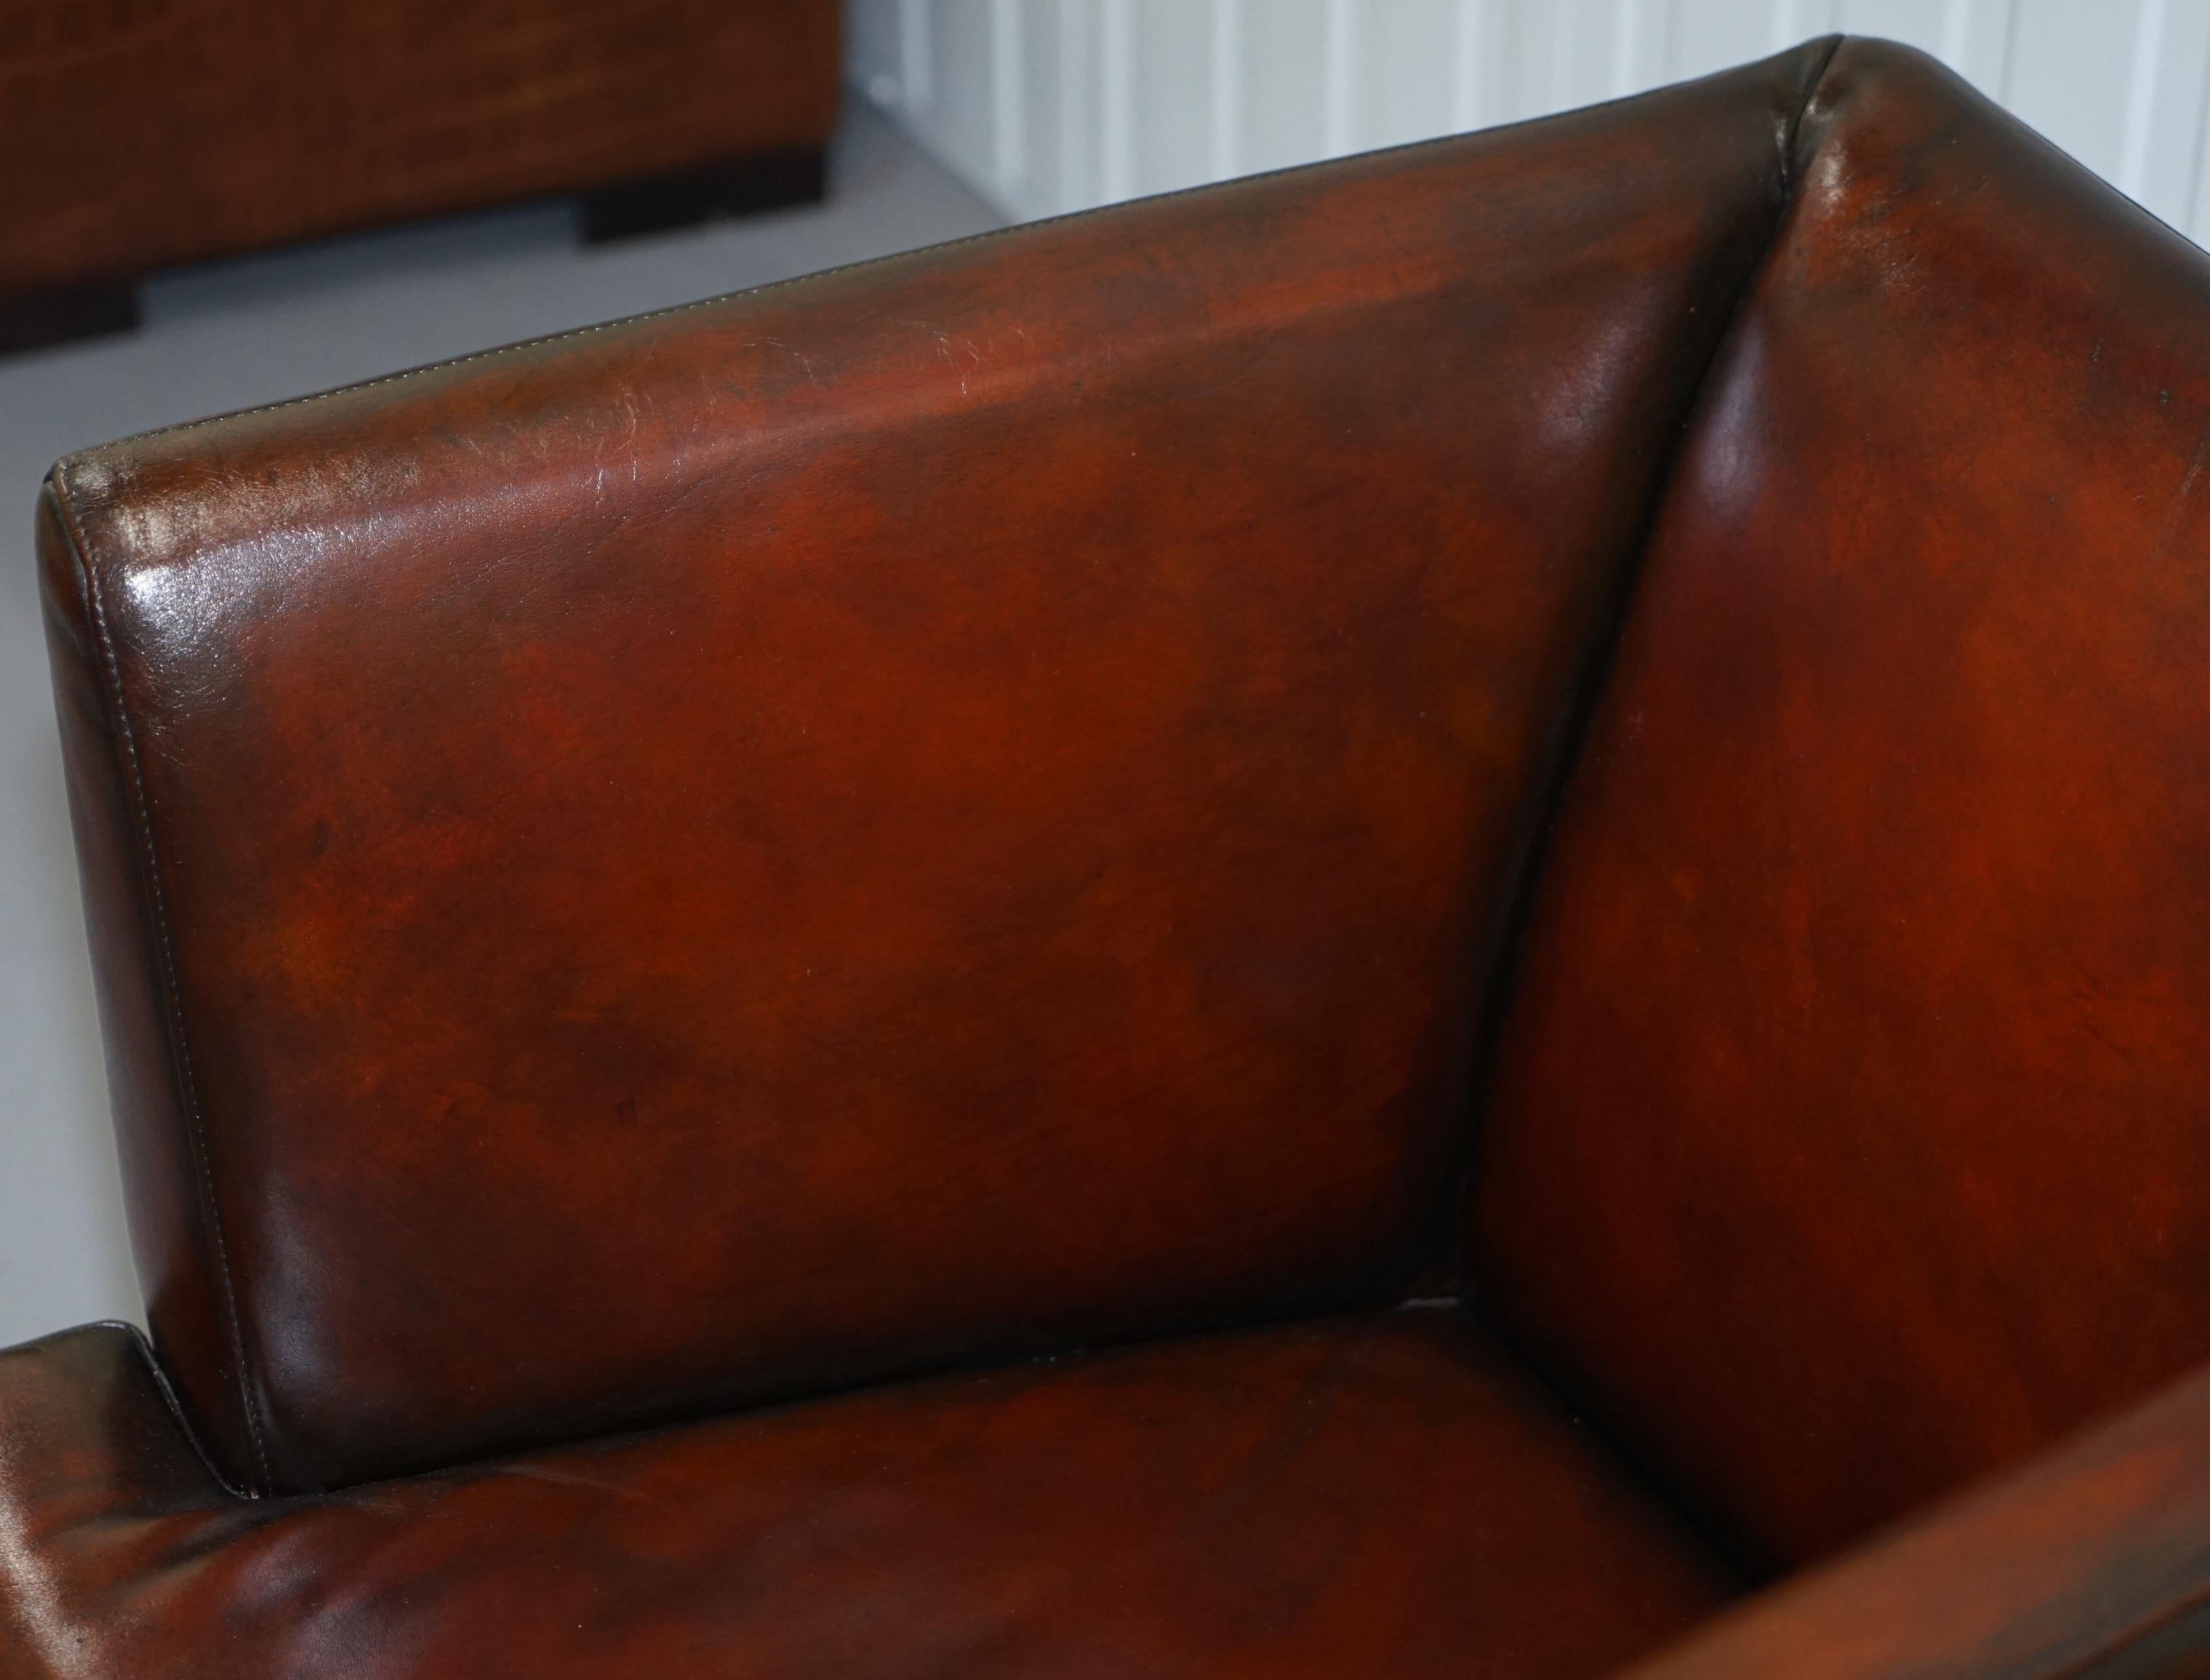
{"x":957,"y":807}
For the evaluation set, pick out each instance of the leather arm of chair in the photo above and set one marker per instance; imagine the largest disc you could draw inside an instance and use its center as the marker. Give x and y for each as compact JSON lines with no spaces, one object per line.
{"x":2092,"y":1560}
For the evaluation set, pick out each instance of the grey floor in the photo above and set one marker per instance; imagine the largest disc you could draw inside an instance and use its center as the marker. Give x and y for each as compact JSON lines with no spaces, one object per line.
{"x":228,"y":336}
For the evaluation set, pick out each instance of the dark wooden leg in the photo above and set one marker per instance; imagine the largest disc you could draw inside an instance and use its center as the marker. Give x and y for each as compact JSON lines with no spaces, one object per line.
{"x":735,"y":187}
{"x":35,"y":320}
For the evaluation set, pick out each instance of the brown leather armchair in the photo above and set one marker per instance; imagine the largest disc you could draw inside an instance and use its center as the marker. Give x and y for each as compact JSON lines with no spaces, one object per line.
{"x":1412,"y":918}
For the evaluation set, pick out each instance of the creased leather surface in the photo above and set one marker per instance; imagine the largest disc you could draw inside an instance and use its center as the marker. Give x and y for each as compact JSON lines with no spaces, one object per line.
{"x":142,"y":133}
{"x":955,"y":807}
{"x":1377,"y":1496}
{"x":1863,"y":1037}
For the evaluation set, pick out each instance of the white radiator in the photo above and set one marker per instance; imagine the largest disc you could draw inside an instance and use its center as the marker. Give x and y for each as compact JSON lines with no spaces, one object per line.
{"x":1046,"y":106}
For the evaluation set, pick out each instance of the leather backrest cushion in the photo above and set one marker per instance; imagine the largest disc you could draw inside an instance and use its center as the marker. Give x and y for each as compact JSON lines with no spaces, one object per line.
{"x":1852,"y":1130}
{"x":955,"y":807}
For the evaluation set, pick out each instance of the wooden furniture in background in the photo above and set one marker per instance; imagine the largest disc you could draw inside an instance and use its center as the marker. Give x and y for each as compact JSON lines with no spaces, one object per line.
{"x":138,"y":134}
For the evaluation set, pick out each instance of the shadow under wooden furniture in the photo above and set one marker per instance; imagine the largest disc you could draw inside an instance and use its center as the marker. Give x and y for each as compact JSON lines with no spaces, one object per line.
{"x":143,"y":136}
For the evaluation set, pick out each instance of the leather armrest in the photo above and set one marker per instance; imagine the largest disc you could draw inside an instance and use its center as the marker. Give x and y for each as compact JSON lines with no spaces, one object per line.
{"x":2092,"y":1560}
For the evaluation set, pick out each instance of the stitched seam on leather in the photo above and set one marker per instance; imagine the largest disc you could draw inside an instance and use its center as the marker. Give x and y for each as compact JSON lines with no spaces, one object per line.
{"x":1812,"y":84}
{"x":1017,"y":230}
{"x":176,"y":1408}
{"x":157,"y":904}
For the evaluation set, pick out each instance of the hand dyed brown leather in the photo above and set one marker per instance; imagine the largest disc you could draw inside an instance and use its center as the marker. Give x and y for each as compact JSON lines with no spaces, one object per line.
{"x":1862,"y":1041}
{"x":953,"y":809}
{"x":1552,"y":768}
{"x":2088,"y":1561}
{"x":1320,"y":1499}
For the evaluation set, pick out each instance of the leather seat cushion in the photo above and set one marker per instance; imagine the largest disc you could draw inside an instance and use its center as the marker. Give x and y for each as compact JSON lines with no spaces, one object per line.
{"x":1371,"y":1495}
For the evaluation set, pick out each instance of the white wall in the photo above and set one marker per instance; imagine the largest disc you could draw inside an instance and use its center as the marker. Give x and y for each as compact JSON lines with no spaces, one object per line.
{"x":1046,"y":106}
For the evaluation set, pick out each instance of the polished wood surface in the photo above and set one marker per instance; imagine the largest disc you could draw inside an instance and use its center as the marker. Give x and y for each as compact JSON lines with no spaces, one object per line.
{"x":142,"y":133}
